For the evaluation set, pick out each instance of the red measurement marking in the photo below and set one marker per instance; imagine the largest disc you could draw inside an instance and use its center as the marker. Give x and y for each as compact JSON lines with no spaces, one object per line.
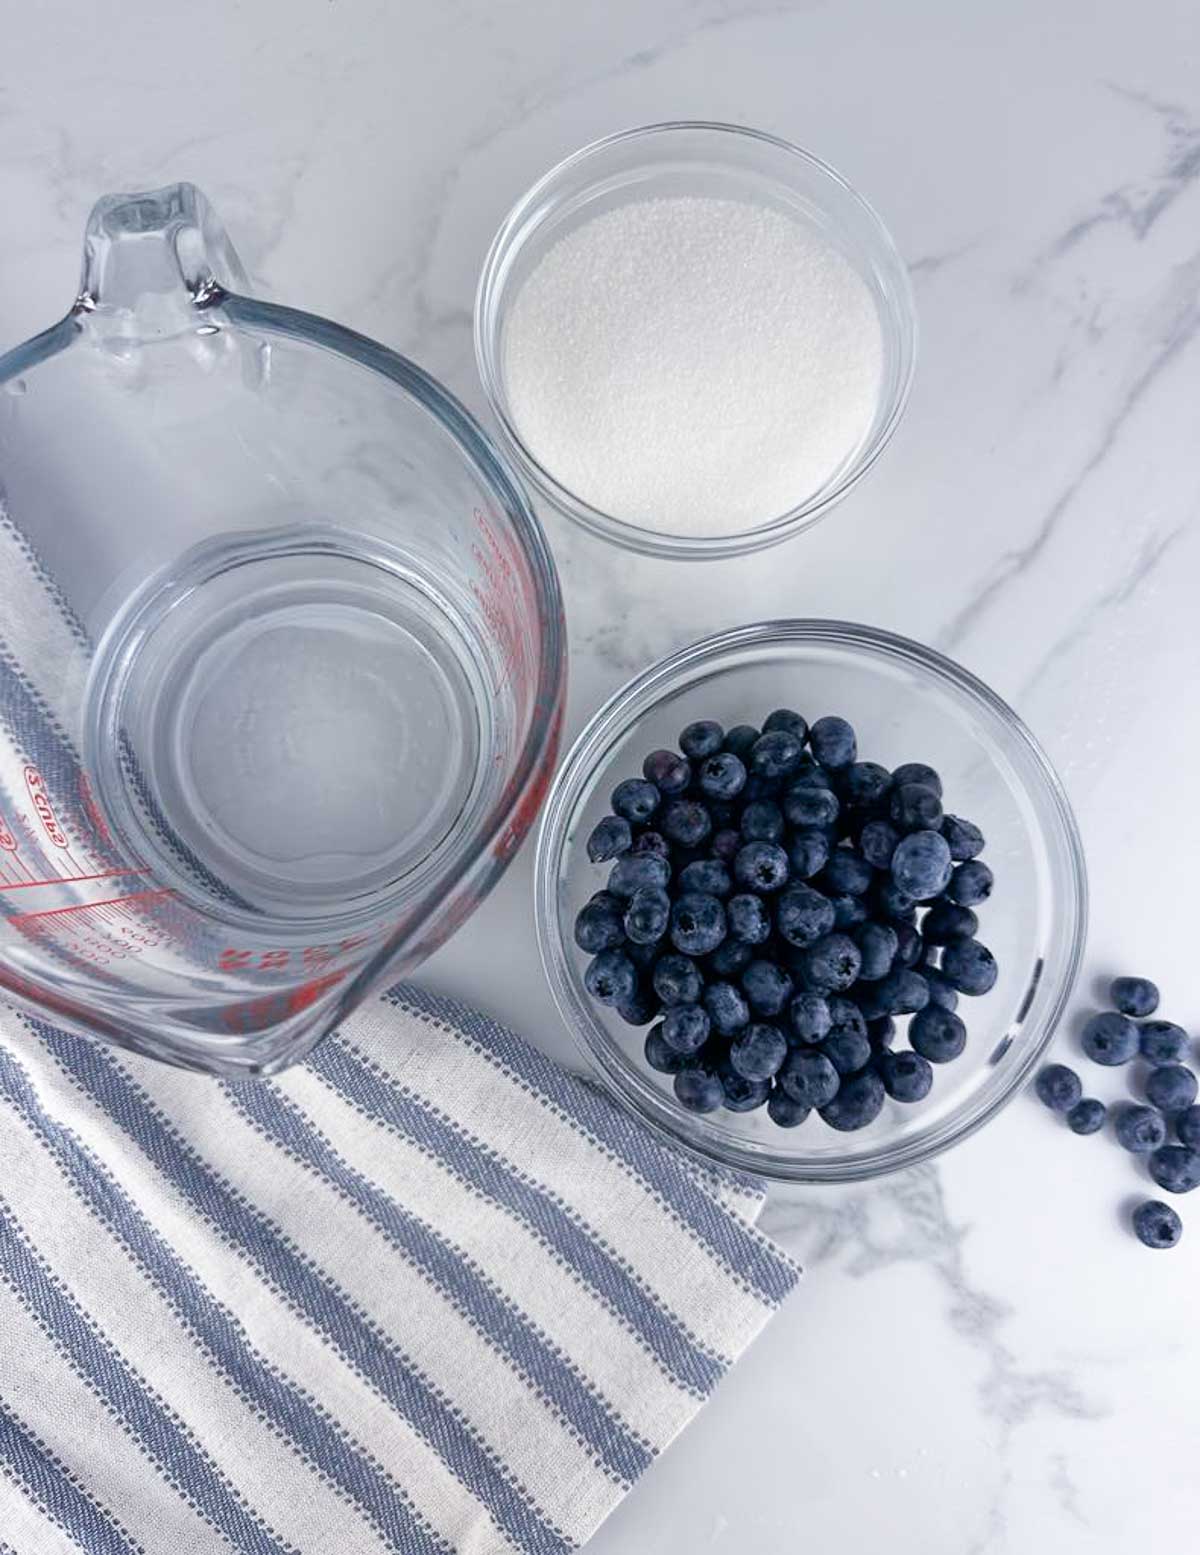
{"x":110,"y":901}
{"x":7,"y":841}
{"x":36,"y":784}
{"x":94,"y":813}
{"x":103,"y":874}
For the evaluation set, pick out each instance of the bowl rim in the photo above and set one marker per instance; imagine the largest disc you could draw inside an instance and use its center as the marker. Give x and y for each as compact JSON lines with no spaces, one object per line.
{"x":640,"y":1094}
{"x":511,"y":235}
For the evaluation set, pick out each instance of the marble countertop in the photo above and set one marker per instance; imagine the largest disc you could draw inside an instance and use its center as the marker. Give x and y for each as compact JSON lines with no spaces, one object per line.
{"x":981,"y":1358}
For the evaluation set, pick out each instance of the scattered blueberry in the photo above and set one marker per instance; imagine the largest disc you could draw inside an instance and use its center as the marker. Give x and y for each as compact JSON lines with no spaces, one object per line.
{"x":971,"y":883}
{"x":859,"y":1101}
{"x":847,"y":873}
{"x":651,"y":842}
{"x":937,"y":1034}
{"x":1058,"y":1087}
{"x":748,"y":917}
{"x":640,"y":1008}
{"x":877,"y":842}
{"x":1135,"y":996}
{"x":906,"y":1076}
{"x":699,"y":1090}
{"x":784,"y":1111}
{"x":848,"y":912}
{"x":775,"y":755}
{"x":611,"y":977}
{"x":806,"y":804}
{"x":1087,"y":1116}
{"x":722,"y":776}
{"x":917,"y":772}
{"x":634,"y":872}
{"x":1156,"y":1224}
{"x":808,"y":853}
{"x":1162,"y":1042}
{"x":701,"y":739}
{"x":917,"y":808}
{"x":731,"y":957}
{"x":1171,"y":1088}
{"x":1175,"y":1168}
{"x":668,"y":771}
{"x":726,"y":843}
{"x":741,"y":740}
{"x":685,"y":822}
{"x":942,"y":991}
{"x":642,"y":956}
{"x":810,"y":1017}
{"x":833,"y":742}
{"x":610,"y":837}
{"x":685,"y":1028}
{"x":881,"y":1031}
{"x":847,"y":1050}
{"x":1140,"y":1129}
{"x":727,"y":1008}
{"x":921,"y":864}
{"x":877,"y":944}
{"x":831,"y":965}
{"x":661,"y":1057}
{"x":635,"y":800}
{"x":697,"y":923}
{"x":1109,"y":1038}
{"x":762,"y":821}
{"x":892,"y":902}
{"x":908,"y":947}
{"x":647,"y":915}
{"x":761,"y":866}
{"x":758,"y":1052}
{"x":791,"y":723}
{"x":901,"y":992}
{"x":809,"y":1078}
{"x":970,"y":967}
{"x":677,"y":980}
{"x":1187,"y":1127}
{"x":741,"y":1094}
{"x":965,"y":838}
{"x":599,"y":925}
{"x":707,"y":875}
{"x":946,"y":921}
{"x":865,"y":784}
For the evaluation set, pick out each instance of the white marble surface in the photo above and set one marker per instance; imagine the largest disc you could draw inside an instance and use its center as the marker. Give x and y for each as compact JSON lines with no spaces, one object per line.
{"x":981,"y":1359}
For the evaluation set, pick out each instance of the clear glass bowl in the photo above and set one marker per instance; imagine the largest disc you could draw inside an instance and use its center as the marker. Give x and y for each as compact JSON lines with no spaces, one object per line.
{"x":907,"y":704}
{"x":693,"y":158}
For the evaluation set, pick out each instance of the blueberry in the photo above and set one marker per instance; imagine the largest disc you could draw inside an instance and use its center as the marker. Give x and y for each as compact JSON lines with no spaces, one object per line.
{"x":831,"y":965}
{"x":1162,"y":1042}
{"x":811,"y":773}
{"x":1187,"y":1127}
{"x":1136,"y":996}
{"x":685,"y":822}
{"x":970,"y":966}
{"x":901,"y":992}
{"x":677,"y":980}
{"x":1171,"y":1088}
{"x":908,"y":947}
{"x":611,"y":977}
{"x":964,"y":837}
{"x":721,"y":777}
{"x":685,"y":1028}
{"x":1087,"y":1116}
{"x":847,"y":873}
{"x":642,"y":956}
{"x":877,"y":841}
{"x":846,"y":1016}
{"x":1058,"y":1087}
{"x":640,"y":1009}
{"x":937,"y":1034}
{"x":941,"y":990}
{"x":761,"y":866}
{"x":748,"y":918}
{"x":730,"y":958}
{"x":803,"y":916}
{"x":783,"y":1110}
{"x":599,"y":924}
{"x":697,"y":923}
{"x":699,"y":1090}
{"x":635,"y":800}
{"x":833,"y":743}
{"x":921,"y":864}
{"x":917,"y":808}
{"x":634,"y":872}
{"x":946,"y":921}
{"x":917,"y":772}
{"x":740,"y":740}
{"x":810,"y":1017}
{"x":759,"y":787}
{"x":740,"y":1094}
{"x":727,"y":1009}
{"x":848,"y":912}
{"x":647,"y":915}
{"x":758,"y":1053}
{"x":762,"y":821}
{"x":1156,"y":1224}
{"x":859,"y":1101}
{"x":808,"y":853}
{"x":847,"y":1050}
{"x":668,"y":771}
{"x":791,"y":723}
{"x":1175,"y":1168}
{"x":891,"y":902}
{"x":1140,"y":1129}
{"x":807,"y":805}
{"x":726,"y":843}
{"x":881,"y":1032}
{"x":651,"y":842}
{"x":807,"y":1077}
{"x":1108,"y":1039}
{"x":775,"y":755}
{"x":661,"y":1057}
{"x":971,"y":883}
{"x":610,"y":837}
{"x":701,"y":739}
{"x":906,"y":1076}
{"x":708,"y":875}
{"x":767,"y":986}
{"x":877,"y":943}
{"x":864,"y":785}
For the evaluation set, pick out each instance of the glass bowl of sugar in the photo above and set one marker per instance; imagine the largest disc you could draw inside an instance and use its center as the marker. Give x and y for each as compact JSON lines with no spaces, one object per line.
{"x":696,"y":338}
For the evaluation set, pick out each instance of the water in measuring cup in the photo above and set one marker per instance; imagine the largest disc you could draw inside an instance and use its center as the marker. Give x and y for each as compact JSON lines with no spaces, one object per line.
{"x":292,"y":727}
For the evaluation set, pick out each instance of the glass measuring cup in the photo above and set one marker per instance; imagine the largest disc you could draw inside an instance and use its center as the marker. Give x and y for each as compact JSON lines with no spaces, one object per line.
{"x":281,"y":657}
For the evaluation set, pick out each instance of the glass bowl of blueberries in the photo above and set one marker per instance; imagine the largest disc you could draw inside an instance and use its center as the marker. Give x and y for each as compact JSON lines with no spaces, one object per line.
{"x":811,"y":898}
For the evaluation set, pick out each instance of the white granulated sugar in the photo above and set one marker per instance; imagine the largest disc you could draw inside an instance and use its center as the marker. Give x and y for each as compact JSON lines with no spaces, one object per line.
{"x":695,"y":366}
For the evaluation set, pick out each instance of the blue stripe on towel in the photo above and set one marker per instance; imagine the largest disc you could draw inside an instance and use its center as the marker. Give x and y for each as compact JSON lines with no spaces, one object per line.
{"x":344,"y":1464}
{"x":497,"y":1318}
{"x":47,"y":1483}
{"x":157,"y":1431}
{"x":679,"y":1353}
{"x":323,"y":1304}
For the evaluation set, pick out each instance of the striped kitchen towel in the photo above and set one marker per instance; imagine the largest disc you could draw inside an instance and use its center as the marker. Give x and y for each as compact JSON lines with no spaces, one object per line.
{"x":426,"y":1293}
